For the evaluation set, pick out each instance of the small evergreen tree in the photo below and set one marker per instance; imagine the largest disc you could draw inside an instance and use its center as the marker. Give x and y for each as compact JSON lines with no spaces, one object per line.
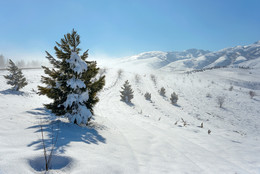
{"x":174,"y":98}
{"x":16,"y":78}
{"x":147,"y":96}
{"x":162,"y":91}
{"x":153,"y":78}
{"x":127,"y":93}
{"x":72,"y":83}
{"x":252,"y":94}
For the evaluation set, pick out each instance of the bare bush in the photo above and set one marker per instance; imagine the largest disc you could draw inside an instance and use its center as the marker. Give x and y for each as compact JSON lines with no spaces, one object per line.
{"x":119,"y":73}
{"x":48,"y":158}
{"x":220,"y":101}
{"x":252,"y":94}
{"x":137,"y":78}
{"x":231,"y":88}
{"x":184,"y":122}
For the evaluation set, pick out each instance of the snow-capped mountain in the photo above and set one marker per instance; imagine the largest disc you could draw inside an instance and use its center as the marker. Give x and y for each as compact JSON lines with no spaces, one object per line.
{"x":228,"y":56}
{"x":196,"y":58}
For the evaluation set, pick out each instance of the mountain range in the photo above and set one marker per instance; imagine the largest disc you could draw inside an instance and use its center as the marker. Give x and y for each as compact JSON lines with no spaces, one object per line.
{"x":191,"y":59}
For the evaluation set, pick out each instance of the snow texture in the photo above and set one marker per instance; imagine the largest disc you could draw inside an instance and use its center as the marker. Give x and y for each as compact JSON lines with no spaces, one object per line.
{"x":76,"y":101}
{"x":76,"y":63}
{"x":75,"y":83}
{"x":76,"y":98}
{"x":81,"y":114}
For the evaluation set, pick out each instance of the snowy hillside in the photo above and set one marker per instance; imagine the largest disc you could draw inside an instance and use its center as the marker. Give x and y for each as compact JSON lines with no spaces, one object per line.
{"x":145,"y":136}
{"x":196,"y":59}
{"x":159,"y":59}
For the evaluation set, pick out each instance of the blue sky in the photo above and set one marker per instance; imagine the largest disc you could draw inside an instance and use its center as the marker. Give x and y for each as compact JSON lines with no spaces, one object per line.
{"x":118,"y":28}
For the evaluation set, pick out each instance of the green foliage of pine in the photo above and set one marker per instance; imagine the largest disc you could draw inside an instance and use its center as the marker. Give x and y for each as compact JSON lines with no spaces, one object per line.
{"x":16,"y":78}
{"x":56,"y":80}
{"x":147,"y":96}
{"x":174,"y":98}
{"x":127,"y":94}
{"x":162,"y":91}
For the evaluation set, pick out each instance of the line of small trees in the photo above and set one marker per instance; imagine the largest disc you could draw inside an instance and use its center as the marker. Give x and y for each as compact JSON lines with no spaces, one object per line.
{"x":127,"y":94}
{"x":174,"y":97}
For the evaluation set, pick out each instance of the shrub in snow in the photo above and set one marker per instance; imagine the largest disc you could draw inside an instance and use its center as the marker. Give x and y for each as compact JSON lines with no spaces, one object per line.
{"x":252,"y":94}
{"x":174,"y":98}
{"x":147,"y":96}
{"x":72,"y":83}
{"x":209,"y":131}
{"x":137,"y":78}
{"x":162,"y":91}
{"x":48,"y":158}
{"x":119,"y":73}
{"x":127,"y":92}
{"x":184,"y":122}
{"x":208,"y":95}
{"x":153,"y":78}
{"x":220,"y":101}
{"x":231,"y":88}
{"x":16,"y":78}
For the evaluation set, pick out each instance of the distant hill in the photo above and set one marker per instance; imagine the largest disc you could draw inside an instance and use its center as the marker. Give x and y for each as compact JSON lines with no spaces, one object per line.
{"x":197,"y":59}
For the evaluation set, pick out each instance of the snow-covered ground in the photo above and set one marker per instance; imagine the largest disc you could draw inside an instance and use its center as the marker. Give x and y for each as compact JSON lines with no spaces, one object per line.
{"x":142,"y":137}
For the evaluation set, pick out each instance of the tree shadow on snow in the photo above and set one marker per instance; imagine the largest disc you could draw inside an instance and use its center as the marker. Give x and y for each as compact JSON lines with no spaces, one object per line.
{"x":66,"y":132}
{"x":44,"y":114}
{"x":256,"y":99}
{"x":128,"y":103}
{"x":176,"y":105}
{"x":11,"y":92}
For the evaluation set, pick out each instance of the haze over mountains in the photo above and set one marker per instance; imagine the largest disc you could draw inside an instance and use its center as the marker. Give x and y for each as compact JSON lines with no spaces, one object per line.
{"x":198,"y":59}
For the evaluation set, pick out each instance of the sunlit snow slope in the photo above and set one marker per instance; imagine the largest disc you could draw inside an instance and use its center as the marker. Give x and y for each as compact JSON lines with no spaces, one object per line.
{"x":144,"y":136}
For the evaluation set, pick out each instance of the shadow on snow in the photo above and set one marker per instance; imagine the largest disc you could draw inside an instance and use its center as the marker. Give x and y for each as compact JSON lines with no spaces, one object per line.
{"x":66,"y":132}
{"x":11,"y":92}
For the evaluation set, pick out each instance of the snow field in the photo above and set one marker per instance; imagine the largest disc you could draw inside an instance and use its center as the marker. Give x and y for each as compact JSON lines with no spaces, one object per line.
{"x":141,"y":137}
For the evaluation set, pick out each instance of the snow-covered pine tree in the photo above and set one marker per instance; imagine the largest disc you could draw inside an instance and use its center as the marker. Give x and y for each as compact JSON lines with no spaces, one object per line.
{"x":16,"y":78}
{"x":72,"y":82}
{"x":127,"y":93}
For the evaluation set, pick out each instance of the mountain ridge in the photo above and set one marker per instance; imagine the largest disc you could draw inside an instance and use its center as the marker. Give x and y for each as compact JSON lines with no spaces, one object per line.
{"x":197,"y":58}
